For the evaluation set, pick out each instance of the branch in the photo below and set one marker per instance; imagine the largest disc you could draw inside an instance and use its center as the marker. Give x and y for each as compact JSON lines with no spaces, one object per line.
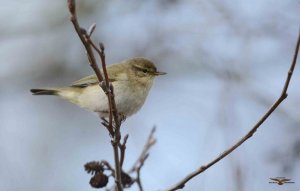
{"x":138,"y":172}
{"x":113,"y":112}
{"x":139,"y":163}
{"x":122,"y":150}
{"x":282,"y":97}
{"x":149,"y":143}
{"x":103,"y":83}
{"x":137,"y":166}
{"x":108,"y":89}
{"x":81,"y":31}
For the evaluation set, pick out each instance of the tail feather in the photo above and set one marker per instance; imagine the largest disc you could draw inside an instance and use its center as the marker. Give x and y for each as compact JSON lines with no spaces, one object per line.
{"x":44,"y":92}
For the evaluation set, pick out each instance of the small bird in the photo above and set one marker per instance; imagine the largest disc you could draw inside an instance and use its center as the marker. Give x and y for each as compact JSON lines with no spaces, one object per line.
{"x":131,"y":79}
{"x":281,"y":180}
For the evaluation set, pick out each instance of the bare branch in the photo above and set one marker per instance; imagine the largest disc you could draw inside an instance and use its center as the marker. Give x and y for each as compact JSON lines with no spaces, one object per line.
{"x":282,"y":97}
{"x":107,"y":165}
{"x":138,"y":171}
{"x":91,"y":29}
{"x":105,"y":84}
{"x":122,"y":150}
{"x":137,"y":166}
{"x":149,"y":143}
{"x":80,"y":32}
{"x":107,"y":88}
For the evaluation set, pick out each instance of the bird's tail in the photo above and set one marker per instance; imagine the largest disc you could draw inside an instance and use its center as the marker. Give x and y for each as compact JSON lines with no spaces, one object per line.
{"x":44,"y":92}
{"x":69,"y":93}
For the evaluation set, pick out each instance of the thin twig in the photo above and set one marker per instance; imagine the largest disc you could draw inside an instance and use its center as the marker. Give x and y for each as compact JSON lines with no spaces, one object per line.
{"x":113,"y":112}
{"x":91,"y":29}
{"x":107,"y":88}
{"x":80,"y":31}
{"x":149,"y":143}
{"x":116,"y":140}
{"x":108,"y":92}
{"x":122,"y":150}
{"x":282,"y":97}
{"x":138,"y":171}
{"x":139,"y":163}
{"x":107,"y":165}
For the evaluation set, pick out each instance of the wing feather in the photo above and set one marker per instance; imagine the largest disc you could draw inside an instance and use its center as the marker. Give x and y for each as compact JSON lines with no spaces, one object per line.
{"x":89,"y":80}
{"x":86,"y":81}
{"x":115,"y":73}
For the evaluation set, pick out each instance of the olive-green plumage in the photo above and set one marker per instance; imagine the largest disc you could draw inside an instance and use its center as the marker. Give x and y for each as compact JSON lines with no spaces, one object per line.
{"x":131,"y":79}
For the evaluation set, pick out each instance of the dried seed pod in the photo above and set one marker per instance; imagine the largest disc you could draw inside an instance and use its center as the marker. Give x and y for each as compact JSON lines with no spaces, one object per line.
{"x":99,"y":180}
{"x":93,"y":167}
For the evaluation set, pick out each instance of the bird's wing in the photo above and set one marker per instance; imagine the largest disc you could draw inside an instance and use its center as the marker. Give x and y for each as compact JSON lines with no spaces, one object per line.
{"x":114,"y":74}
{"x":90,"y":80}
{"x":285,"y":179}
{"x":275,"y":179}
{"x":86,"y":81}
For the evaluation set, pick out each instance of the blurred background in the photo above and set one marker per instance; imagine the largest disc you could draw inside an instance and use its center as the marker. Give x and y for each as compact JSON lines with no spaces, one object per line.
{"x":226,"y":62}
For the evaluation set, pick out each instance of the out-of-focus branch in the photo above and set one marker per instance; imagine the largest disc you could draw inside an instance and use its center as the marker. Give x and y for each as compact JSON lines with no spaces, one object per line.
{"x":282,"y":97}
{"x":138,"y":171}
{"x":114,"y":130}
{"x":151,"y":140}
{"x":137,"y":166}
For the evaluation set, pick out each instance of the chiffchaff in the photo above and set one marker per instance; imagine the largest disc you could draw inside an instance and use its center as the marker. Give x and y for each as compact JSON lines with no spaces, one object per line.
{"x":131,"y":79}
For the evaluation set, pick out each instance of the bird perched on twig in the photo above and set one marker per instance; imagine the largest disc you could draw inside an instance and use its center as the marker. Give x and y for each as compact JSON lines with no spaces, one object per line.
{"x":131,"y":79}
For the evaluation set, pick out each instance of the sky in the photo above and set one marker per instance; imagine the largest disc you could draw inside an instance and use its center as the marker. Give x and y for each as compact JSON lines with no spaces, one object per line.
{"x":226,"y":63}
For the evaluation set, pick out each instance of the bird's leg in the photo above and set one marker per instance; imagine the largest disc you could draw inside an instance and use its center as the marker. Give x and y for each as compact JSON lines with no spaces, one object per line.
{"x":121,"y":117}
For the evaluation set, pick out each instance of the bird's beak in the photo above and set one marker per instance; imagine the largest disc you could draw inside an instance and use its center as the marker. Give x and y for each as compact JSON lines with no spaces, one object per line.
{"x":159,"y":73}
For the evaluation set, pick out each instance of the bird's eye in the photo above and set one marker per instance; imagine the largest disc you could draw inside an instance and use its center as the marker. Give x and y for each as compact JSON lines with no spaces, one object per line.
{"x":145,"y":71}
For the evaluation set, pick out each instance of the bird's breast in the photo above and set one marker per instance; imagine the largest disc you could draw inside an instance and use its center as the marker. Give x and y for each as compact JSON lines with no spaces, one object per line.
{"x":130,"y":98}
